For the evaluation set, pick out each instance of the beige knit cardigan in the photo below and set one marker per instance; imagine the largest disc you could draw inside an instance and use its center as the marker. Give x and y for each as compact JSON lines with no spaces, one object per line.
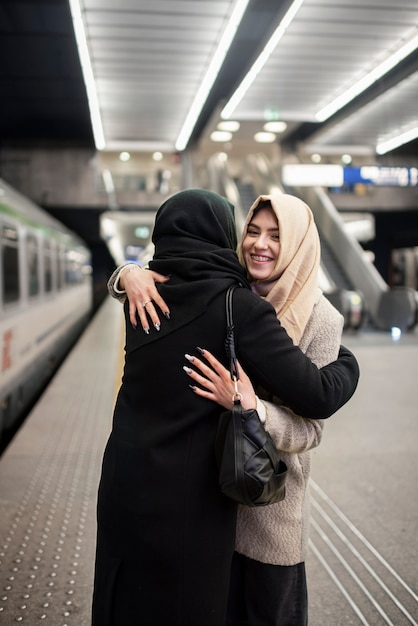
{"x":278,"y":533}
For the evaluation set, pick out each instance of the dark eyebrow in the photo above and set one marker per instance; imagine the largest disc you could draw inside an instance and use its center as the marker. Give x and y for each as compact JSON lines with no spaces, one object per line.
{"x":269,"y":230}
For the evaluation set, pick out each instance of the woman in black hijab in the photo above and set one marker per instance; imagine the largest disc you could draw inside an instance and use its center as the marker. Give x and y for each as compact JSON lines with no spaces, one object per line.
{"x":165,"y":532}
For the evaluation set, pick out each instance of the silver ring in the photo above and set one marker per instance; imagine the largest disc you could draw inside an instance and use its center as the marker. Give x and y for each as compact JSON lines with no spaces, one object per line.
{"x":144,"y":304}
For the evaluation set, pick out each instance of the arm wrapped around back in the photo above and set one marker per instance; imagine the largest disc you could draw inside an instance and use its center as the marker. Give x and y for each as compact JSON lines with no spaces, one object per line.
{"x":269,"y":357}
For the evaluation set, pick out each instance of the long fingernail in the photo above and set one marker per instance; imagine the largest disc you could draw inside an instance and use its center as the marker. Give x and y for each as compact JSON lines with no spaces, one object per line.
{"x":189,"y":357}
{"x":134,"y":326}
{"x":200,"y":350}
{"x":146,"y":331}
{"x":156,"y":326}
{"x":188,"y":370}
{"x":167,"y":314}
{"x":192,"y":387}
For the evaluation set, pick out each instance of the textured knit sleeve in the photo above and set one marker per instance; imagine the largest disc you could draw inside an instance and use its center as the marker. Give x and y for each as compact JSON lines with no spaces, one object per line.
{"x":321,"y":341}
{"x":112,"y":283}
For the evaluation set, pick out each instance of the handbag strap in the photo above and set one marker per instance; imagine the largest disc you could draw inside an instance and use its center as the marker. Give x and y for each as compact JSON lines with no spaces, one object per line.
{"x":230,"y":340}
{"x":236,"y":411}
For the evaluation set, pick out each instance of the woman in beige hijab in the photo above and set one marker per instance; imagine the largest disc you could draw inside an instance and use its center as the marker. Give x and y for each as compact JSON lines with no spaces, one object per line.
{"x":281,"y":252}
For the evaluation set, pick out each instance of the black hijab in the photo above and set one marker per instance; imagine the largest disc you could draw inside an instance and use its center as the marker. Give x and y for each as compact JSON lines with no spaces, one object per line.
{"x":195,"y":241}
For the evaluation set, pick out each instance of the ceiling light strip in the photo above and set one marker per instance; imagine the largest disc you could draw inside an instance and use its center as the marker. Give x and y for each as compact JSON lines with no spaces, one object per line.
{"x":261,"y":60}
{"x":383,"y":68}
{"x":88,"y":75}
{"x":399,"y":140}
{"x":211,"y":74}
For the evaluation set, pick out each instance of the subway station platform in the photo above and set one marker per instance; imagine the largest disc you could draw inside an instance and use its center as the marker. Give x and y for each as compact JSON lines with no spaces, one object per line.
{"x":362,"y":564}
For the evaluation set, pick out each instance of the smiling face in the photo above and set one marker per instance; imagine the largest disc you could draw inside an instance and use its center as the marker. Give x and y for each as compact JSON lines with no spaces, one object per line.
{"x":261,"y":245}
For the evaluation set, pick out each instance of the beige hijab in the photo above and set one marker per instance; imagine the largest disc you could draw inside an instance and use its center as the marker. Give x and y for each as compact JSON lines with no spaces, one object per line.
{"x":295,"y":289}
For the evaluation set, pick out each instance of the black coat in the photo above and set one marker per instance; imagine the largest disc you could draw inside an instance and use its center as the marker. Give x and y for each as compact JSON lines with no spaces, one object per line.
{"x":165,"y":531}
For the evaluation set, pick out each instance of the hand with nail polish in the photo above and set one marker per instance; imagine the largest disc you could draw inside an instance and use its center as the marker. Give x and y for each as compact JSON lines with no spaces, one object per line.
{"x":215,"y":382}
{"x":139,"y":286}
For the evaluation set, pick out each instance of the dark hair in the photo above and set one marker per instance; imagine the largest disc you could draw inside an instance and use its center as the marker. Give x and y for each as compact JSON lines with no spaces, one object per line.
{"x":263,"y":204}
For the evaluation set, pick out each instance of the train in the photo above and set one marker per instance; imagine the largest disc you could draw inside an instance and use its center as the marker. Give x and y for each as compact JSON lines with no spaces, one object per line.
{"x":46,"y":301}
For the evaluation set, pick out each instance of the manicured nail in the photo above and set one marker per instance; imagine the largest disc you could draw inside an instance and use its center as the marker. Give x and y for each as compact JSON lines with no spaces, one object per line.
{"x":200,"y":350}
{"x":192,"y":387}
{"x":167,"y":314}
{"x":188,"y":370}
{"x":157,"y":326}
{"x":189,"y":357}
{"x":146,"y":331}
{"x":134,"y":327}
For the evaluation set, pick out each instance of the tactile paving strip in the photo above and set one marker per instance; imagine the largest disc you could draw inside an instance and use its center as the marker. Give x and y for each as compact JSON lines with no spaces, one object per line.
{"x":48,"y":485}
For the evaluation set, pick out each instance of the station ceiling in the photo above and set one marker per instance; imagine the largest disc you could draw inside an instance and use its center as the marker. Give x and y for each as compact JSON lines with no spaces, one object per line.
{"x":149,"y":58}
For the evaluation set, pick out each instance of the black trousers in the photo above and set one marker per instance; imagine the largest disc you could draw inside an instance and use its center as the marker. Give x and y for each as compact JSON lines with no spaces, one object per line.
{"x":267,"y":595}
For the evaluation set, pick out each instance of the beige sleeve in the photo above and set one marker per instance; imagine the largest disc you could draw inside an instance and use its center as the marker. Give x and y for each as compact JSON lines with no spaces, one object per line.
{"x":321,"y":341}
{"x":113,"y":283}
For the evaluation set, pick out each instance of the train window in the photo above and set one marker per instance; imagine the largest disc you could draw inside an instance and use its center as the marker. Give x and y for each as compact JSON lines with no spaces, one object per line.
{"x":59,"y":269}
{"x":33,"y":264}
{"x":47,"y":267}
{"x":10,"y":265}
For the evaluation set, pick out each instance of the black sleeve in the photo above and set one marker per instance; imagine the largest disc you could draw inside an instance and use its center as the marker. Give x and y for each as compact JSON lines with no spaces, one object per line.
{"x":271,"y":360}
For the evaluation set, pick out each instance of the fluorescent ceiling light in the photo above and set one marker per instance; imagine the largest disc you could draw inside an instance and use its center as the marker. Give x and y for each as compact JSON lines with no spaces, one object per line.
{"x":211,"y":74}
{"x":383,"y":68}
{"x":259,"y":63}
{"x":275,"y":127}
{"x":264,"y":137}
{"x":399,"y":140}
{"x":84,"y":55}
{"x":221,"y":136}
{"x":230,"y":125}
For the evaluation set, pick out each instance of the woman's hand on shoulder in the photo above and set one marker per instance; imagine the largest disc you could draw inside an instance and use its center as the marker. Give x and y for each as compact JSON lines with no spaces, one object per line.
{"x":215,"y":382}
{"x":143,"y":296}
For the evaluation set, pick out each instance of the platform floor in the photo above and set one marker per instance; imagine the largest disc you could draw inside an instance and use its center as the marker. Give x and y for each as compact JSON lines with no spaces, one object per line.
{"x":48,"y":485}
{"x":362,"y":566}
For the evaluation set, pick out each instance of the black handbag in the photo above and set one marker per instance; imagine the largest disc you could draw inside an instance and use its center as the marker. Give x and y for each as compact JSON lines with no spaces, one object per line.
{"x":250,"y":469}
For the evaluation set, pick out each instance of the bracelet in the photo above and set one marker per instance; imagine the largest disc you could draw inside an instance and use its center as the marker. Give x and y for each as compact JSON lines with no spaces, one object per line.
{"x":128,"y":266}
